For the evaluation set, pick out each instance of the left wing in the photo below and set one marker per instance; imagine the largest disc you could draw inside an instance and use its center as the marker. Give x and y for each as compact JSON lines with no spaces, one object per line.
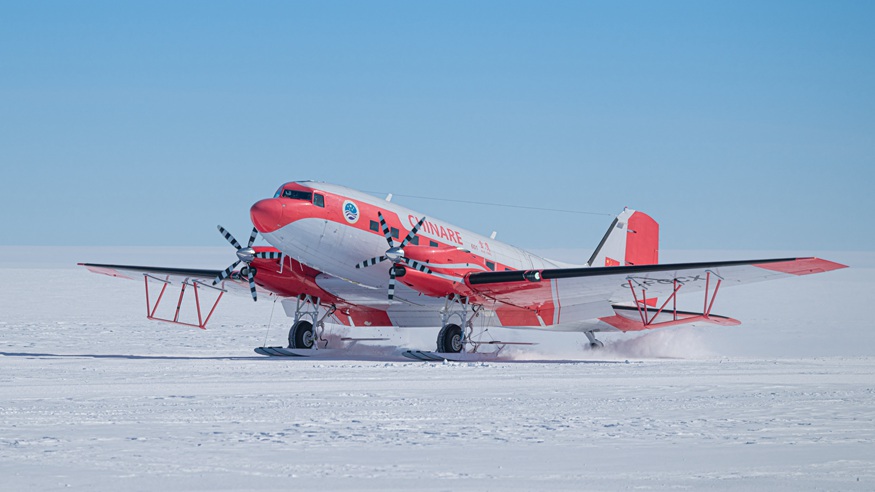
{"x":135,"y":272}
{"x":175,"y":276}
{"x":291,"y":282}
{"x":568,"y":289}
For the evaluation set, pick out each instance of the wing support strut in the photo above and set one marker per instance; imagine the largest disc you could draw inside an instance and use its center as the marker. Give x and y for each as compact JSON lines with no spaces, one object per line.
{"x":194,"y":284}
{"x":649,"y":321}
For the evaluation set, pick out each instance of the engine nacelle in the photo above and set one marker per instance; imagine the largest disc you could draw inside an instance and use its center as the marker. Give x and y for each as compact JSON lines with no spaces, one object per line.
{"x":431,"y":285}
{"x":448,"y":267}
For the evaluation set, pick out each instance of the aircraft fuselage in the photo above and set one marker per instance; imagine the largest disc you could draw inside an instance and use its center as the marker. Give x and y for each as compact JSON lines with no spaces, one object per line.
{"x":332,"y":228}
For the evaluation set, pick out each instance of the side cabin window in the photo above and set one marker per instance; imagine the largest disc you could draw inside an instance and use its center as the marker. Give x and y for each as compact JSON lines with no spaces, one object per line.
{"x":318,"y":200}
{"x":433,"y":244}
{"x":394,"y":232}
{"x":374,"y":226}
{"x":490,"y":265}
{"x":415,"y":241}
{"x":298,"y":195}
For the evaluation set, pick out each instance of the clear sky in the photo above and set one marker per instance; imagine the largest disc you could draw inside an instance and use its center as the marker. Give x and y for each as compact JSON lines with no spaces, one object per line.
{"x":737,"y":125}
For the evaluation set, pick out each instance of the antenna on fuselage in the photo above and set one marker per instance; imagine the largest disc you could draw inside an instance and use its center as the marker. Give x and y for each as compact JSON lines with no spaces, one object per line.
{"x":389,"y":197}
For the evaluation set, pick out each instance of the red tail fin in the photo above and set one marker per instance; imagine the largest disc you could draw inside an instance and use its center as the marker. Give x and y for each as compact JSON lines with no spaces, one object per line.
{"x":642,"y":242}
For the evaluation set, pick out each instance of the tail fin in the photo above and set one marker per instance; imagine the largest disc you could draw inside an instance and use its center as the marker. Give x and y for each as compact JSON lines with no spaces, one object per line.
{"x":632,"y":239}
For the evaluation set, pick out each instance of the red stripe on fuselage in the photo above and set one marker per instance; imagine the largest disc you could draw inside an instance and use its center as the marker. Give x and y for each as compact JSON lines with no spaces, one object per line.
{"x":271,"y":214}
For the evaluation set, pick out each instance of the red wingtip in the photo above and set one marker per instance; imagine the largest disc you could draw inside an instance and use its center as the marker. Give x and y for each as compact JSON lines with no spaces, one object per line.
{"x":803,"y":266}
{"x":104,"y":271}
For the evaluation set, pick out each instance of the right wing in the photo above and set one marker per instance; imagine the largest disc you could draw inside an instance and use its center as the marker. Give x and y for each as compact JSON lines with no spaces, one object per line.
{"x":588,"y":291}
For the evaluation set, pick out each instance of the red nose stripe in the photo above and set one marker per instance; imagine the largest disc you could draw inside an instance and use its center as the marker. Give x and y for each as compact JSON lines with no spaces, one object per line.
{"x":267,"y":215}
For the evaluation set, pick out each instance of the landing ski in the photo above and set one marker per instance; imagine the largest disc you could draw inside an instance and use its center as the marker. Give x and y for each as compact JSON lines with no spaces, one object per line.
{"x":418,"y":355}
{"x":287,"y":352}
{"x":446,"y":356}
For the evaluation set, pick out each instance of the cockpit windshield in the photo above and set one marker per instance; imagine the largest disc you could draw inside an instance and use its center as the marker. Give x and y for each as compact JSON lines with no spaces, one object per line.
{"x":294,"y":194}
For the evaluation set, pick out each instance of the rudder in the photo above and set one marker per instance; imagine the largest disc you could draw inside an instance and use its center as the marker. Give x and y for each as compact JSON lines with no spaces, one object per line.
{"x":632,"y":239}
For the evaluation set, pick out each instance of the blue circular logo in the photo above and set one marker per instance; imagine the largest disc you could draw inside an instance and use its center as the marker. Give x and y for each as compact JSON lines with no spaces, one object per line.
{"x":350,"y":212}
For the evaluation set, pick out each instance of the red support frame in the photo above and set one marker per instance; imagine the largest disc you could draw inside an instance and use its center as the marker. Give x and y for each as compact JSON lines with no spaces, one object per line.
{"x":201,"y":321}
{"x":648,"y":321}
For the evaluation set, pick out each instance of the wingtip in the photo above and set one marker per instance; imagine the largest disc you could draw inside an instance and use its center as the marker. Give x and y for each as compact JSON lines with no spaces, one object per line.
{"x":803,"y":266}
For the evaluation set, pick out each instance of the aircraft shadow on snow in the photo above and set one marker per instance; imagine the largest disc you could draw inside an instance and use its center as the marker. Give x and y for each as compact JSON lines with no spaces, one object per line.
{"x":124,"y":356}
{"x":349,"y":357}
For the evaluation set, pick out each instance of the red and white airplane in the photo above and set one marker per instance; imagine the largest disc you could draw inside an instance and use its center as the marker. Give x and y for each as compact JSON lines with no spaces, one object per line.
{"x":350,"y":258}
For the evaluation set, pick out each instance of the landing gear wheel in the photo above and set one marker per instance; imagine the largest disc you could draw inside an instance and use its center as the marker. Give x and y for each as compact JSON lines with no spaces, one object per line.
{"x":449,"y":339}
{"x":302,"y":336}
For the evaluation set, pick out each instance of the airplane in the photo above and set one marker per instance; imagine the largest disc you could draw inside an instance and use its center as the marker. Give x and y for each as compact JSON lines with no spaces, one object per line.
{"x":343,"y":256}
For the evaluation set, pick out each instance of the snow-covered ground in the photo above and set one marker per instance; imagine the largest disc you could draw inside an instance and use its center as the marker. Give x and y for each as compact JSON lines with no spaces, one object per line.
{"x":93,"y":396}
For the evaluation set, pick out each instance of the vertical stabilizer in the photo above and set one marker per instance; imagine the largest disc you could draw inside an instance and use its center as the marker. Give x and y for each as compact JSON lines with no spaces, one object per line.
{"x":632,"y":239}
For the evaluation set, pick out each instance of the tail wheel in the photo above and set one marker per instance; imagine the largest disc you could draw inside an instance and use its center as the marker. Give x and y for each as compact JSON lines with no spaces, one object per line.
{"x":450,"y":339}
{"x":301,"y":336}
{"x":594,"y":343}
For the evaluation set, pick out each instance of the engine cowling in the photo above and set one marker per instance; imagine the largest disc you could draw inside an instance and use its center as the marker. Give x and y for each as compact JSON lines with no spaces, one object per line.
{"x":430,"y":284}
{"x":448,"y":267}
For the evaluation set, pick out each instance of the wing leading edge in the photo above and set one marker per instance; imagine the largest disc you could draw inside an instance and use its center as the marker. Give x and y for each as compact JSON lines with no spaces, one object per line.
{"x":174,"y":275}
{"x":125,"y":271}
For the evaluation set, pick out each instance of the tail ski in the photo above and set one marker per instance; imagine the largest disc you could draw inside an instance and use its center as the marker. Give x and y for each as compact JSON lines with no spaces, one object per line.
{"x":632,"y":239}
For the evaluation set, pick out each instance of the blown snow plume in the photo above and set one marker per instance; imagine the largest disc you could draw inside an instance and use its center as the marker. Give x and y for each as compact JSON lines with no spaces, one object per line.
{"x":680,"y":343}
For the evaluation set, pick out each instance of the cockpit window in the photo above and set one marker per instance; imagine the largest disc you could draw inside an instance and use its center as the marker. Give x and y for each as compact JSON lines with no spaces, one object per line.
{"x":318,"y":200}
{"x":298,"y":195}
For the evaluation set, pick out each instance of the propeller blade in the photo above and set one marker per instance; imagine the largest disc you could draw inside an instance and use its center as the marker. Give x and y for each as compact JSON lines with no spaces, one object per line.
{"x":251,"y":274}
{"x":226,"y":273}
{"x":417,"y":266}
{"x":267,"y":255}
{"x":252,"y":237}
{"x":386,"y":232}
{"x":412,"y":232}
{"x":229,"y":237}
{"x":371,"y":262}
{"x":391,"y":283}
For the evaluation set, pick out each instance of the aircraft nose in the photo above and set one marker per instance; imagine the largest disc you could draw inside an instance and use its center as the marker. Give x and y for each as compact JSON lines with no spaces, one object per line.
{"x":267,"y":215}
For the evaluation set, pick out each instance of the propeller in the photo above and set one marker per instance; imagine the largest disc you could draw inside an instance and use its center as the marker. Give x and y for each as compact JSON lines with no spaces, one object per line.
{"x":396,"y":255}
{"x":244,"y":255}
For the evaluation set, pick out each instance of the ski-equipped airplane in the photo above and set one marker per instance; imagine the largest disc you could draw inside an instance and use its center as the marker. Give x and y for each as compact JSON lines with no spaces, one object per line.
{"x":353,"y":259}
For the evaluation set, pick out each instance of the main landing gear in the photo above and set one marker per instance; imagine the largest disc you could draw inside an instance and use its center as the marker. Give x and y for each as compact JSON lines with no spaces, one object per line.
{"x":457,"y":324}
{"x":308,"y":327}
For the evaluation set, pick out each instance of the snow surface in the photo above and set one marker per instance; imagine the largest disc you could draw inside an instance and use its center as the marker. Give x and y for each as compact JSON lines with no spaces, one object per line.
{"x":93,"y":396}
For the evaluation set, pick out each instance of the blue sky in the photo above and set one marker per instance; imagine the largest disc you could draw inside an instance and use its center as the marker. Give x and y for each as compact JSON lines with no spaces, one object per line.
{"x":737,"y":125}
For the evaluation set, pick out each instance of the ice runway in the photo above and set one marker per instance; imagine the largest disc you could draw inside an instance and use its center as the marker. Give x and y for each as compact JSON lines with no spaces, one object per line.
{"x":94,"y":397}
{"x":138,"y":423}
